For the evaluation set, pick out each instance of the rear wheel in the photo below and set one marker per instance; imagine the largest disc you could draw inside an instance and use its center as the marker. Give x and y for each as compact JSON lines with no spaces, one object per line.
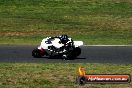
{"x":36,"y":53}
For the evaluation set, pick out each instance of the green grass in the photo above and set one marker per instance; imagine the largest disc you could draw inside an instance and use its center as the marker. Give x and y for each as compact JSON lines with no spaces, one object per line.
{"x":32,"y":75}
{"x":93,"y":21}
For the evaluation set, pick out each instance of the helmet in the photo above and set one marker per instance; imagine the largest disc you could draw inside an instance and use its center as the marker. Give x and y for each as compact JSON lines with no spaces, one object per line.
{"x":64,"y":39}
{"x":64,"y":36}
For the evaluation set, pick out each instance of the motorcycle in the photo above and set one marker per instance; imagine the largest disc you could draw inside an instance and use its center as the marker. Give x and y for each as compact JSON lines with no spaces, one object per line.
{"x":53,"y":47}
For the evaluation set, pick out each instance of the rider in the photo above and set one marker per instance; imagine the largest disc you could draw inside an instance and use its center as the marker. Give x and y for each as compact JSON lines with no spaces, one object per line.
{"x":68,"y":42}
{"x":62,"y":43}
{"x":60,"y":40}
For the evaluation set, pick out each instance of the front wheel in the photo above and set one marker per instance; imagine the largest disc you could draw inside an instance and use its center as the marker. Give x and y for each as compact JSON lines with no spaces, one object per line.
{"x":73,"y":54}
{"x":76,"y":51}
{"x":36,"y":53}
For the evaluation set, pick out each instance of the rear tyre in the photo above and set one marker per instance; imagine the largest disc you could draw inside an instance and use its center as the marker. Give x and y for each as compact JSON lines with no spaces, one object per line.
{"x":36,"y":53}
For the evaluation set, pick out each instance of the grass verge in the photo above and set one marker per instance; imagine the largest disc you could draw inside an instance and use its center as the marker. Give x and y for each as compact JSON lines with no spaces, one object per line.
{"x":93,"y":21}
{"x":58,"y":75}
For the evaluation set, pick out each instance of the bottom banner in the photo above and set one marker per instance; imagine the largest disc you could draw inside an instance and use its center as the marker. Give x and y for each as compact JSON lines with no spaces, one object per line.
{"x":84,"y":78}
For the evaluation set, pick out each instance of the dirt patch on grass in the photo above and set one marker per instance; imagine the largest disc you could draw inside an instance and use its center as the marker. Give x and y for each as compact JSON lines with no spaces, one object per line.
{"x":30,"y":33}
{"x":122,"y":1}
{"x":16,"y":33}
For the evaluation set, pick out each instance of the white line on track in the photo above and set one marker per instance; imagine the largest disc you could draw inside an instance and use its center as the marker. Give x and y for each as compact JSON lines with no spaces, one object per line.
{"x":107,"y":45}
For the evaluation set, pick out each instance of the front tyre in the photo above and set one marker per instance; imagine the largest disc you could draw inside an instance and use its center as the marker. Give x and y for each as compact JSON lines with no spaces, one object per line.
{"x":77,"y":51}
{"x":36,"y":53}
{"x":73,"y":54}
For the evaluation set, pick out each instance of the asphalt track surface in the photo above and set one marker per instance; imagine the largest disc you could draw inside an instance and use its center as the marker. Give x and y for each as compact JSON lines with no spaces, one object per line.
{"x":90,"y":54}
